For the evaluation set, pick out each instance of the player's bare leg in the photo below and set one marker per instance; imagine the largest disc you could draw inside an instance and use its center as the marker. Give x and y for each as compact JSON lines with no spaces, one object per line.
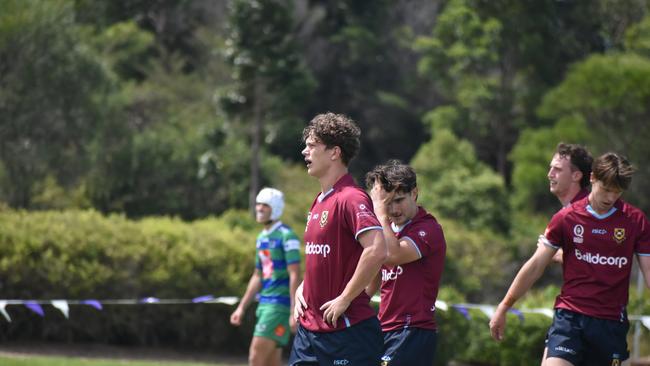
{"x":544,"y":356}
{"x":555,"y":361}
{"x":264,"y":352}
{"x":277,"y":357}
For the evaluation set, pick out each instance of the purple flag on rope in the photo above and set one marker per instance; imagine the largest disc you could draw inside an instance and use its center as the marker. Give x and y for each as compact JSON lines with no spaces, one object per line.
{"x":35,"y":307}
{"x":202,"y":298}
{"x":517,"y":313}
{"x":150,"y":300}
{"x":463,"y":310}
{"x":94,"y":303}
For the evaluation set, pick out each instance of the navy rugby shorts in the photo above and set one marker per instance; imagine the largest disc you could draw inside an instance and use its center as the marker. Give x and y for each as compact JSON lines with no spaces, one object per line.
{"x":409,"y":347}
{"x":358,"y":345}
{"x":585,"y":340}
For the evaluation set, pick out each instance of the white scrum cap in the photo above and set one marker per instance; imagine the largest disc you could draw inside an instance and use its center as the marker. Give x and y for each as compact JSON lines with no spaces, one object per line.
{"x":273,"y":198}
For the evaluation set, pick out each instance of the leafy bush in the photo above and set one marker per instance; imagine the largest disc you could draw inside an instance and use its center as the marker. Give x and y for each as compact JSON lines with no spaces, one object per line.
{"x":84,"y":255}
{"x":472,"y":256}
{"x":468,"y":339}
{"x":456,"y":185}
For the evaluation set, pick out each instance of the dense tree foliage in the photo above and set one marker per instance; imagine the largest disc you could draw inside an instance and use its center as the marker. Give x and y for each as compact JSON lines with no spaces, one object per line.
{"x":271,"y":84}
{"x":611,"y":93}
{"x":179,"y":107}
{"x":51,"y":95}
{"x":140,"y":108}
{"x":184,"y":108}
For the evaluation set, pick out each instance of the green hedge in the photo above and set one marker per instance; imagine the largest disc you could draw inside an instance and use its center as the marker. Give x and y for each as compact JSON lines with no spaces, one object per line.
{"x":81,"y":254}
{"x":469,"y":341}
{"x":85,"y":255}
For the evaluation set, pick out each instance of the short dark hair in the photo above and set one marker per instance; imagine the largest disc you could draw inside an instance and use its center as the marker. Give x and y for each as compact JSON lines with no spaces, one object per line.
{"x":613,"y":171}
{"x":393,"y":176}
{"x":580,"y":159}
{"x":335,"y":130}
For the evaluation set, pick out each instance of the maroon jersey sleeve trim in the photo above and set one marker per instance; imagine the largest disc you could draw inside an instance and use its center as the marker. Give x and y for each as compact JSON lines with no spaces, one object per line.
{"x":356,"y":236}
{"x":546,"y":242}
{"x":414,"y":245}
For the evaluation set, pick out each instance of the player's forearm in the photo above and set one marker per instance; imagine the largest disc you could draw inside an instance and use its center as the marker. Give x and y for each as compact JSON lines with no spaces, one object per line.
{"x":294,"y":282}
{"x":392,"y":243}
{"x":531,"y":271}
{"x":369,"y":264}
{"x":644,"y":265}
{"x":373,"y":286}
{"x":253,"y":287}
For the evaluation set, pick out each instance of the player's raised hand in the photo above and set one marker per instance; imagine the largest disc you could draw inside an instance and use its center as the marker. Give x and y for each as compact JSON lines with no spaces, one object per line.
{"x":380,"y":198}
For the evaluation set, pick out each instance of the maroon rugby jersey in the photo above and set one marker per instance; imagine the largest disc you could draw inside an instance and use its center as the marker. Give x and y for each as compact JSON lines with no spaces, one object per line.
{"x":598,"y":254}
{"x":335,"y":221}
{"x":584,"y":192}
{"x":409,"y":291}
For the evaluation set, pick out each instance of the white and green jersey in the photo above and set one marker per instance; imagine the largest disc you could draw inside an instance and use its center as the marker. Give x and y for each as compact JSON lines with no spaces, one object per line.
{"x":277,"y":247}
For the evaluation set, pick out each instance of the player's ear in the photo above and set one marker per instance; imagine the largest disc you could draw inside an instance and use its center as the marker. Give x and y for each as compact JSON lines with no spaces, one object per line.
{"x":576,"y":176}
{"x":335,"y":153}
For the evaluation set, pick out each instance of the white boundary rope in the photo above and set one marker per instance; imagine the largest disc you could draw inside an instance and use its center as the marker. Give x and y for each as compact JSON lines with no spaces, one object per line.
{"x":63,"y":305}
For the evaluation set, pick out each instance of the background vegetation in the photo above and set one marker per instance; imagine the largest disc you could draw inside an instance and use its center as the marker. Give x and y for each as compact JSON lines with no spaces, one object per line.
{"x":134,"y":134}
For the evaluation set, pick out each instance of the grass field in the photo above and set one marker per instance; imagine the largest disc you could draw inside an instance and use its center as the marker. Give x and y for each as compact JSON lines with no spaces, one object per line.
{"x":58,"y":354}
{"x":68,"y":361}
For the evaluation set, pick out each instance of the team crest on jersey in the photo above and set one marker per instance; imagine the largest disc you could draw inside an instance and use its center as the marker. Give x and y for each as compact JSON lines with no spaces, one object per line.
{"x":619,"y":234}
{"x":422,"y":233}
{"x":578,"y":231}
{"x":323,"y":218}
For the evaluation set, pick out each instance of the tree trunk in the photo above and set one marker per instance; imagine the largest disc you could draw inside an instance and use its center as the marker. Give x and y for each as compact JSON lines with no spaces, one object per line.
{"x":256,"y":142}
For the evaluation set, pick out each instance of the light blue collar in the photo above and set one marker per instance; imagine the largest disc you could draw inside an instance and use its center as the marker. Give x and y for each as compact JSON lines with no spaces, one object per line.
{"x":599,"y":216}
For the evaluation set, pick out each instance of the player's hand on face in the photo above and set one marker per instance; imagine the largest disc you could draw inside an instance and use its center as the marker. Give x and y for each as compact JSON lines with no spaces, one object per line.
{"x":236,"y":316}
{"x":498,"y":324}
{"x":333,"y":309}
{"x":299,"y":304}
{"x":380,"y":198}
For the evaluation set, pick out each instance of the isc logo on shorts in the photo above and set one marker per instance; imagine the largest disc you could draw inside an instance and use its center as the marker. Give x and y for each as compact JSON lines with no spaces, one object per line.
{"x":341,"y":362}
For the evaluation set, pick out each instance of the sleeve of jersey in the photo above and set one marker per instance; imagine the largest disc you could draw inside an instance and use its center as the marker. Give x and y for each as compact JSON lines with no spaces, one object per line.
{"x":359,"y":213}
{"x":553,"y":235}
{"x":426,"y":239}
{"x":642,"y":245}
{"x":291,"y":246}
